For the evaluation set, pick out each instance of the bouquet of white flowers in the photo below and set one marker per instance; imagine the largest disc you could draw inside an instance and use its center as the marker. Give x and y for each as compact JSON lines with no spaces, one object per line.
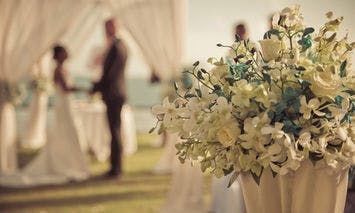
{"x":11,"y":92}
{"x":270,"y":109}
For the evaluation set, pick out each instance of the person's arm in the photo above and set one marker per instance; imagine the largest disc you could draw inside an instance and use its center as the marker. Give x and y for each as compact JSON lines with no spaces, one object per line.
{"x":59,"y":80}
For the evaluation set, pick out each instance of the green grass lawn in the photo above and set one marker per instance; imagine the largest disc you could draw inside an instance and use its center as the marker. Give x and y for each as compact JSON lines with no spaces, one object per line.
{"x":137,"y":191}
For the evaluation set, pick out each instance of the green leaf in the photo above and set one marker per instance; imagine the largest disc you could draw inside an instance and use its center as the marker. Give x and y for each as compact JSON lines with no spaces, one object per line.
{"x":228,"y":171}
{"x":230,"y":80}
{"x":267,"y":77}
{"x":274,"y":32}
{"x":342,"y":72}
{"x":175,"y":86}
{"x":216,"y":87}
{"x":248,"y":62}
{"x":256,"y":178}
{"x":199,"y":93}
{"x":161,"y":129}
{"x":273,"y":173}
{"x":300,"y":68}
{"x":307,"y":31}
{"x":266,"y":68}
{"x":151,"y":130}
{"x":200,"y":76}
{"x":203,"y":71}
{"x":233,"y":179}
{"x":331,"y":38}
{"x":315,"y":157}
{"x":189,"y":96}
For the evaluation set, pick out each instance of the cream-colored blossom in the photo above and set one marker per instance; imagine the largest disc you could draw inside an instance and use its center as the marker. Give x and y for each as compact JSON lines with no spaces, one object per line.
{"x":243,"y":92}
{"x":228,"y":134}
{"x":270,"y":49}
{"x":325,"y":83}
{"x":312,"y":106}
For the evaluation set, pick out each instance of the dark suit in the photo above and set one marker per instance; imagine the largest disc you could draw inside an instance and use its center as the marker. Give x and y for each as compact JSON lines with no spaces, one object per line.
{"x":113,"y":91}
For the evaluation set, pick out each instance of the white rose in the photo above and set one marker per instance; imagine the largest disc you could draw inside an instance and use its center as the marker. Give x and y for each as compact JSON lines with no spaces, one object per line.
{"x":325,"y":84}
{"x":270,"y":49}
{"x":228,"y":134}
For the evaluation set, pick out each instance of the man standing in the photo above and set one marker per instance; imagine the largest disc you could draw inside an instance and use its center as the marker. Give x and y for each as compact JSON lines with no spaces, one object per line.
{"x":113,"y":91}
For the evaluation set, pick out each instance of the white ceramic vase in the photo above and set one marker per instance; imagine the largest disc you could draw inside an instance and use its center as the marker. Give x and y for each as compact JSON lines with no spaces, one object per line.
{"x":308,"y":190}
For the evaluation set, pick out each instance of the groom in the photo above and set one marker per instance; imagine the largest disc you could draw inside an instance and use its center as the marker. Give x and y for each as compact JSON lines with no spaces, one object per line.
{"x":113,"y":91}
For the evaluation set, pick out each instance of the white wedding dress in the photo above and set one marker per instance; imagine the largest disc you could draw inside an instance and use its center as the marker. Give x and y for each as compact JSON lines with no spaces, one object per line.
{"x":61,"y":160}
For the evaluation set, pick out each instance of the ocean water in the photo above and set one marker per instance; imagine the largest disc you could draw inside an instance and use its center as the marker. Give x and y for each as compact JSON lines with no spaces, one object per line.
{"x":141,"y":97}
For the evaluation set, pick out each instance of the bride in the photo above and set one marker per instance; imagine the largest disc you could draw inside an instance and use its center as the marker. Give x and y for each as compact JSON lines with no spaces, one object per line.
{"x":61,"y":160}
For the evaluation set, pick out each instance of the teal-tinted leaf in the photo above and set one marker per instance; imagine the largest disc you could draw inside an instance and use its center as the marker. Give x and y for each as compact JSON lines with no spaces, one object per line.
{"x":290,"y":127}
{"x":338,"y":99}
{"x":305,"y":42}
{"x":271,"y":115}
{"x":230,"y":80}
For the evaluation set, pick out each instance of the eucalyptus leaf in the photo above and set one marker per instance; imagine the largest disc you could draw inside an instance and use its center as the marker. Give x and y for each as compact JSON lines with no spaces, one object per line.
{"x":307,"y":31}
{"x":342,"y":72}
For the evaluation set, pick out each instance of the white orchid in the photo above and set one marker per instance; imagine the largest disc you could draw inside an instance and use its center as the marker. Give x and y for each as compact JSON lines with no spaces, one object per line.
{"x":312,"y":106}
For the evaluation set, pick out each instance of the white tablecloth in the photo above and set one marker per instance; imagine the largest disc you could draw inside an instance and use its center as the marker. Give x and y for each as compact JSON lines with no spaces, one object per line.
{"x":93,"y":126}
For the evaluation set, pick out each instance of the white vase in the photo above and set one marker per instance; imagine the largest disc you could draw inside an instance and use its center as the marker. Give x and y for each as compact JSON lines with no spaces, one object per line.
{"x":308,"y":190}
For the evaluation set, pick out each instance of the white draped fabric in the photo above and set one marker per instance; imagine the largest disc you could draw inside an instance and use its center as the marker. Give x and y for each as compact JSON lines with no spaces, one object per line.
{"x":24,"y":38}
{"x":74,"y":38}
{"x":158,"y":27}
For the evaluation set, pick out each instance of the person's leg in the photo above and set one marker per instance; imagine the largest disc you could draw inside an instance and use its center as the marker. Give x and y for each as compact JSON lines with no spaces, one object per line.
{"x":114,"y":118}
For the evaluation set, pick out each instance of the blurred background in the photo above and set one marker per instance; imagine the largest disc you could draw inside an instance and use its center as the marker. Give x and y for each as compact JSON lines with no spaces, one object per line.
{"x":163,"y":37}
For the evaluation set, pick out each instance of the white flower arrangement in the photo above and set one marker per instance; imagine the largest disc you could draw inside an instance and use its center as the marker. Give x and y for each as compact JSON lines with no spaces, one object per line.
{"x":41,"y":83}
{"x":11,"y":92}
{"x":270,"y":109}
